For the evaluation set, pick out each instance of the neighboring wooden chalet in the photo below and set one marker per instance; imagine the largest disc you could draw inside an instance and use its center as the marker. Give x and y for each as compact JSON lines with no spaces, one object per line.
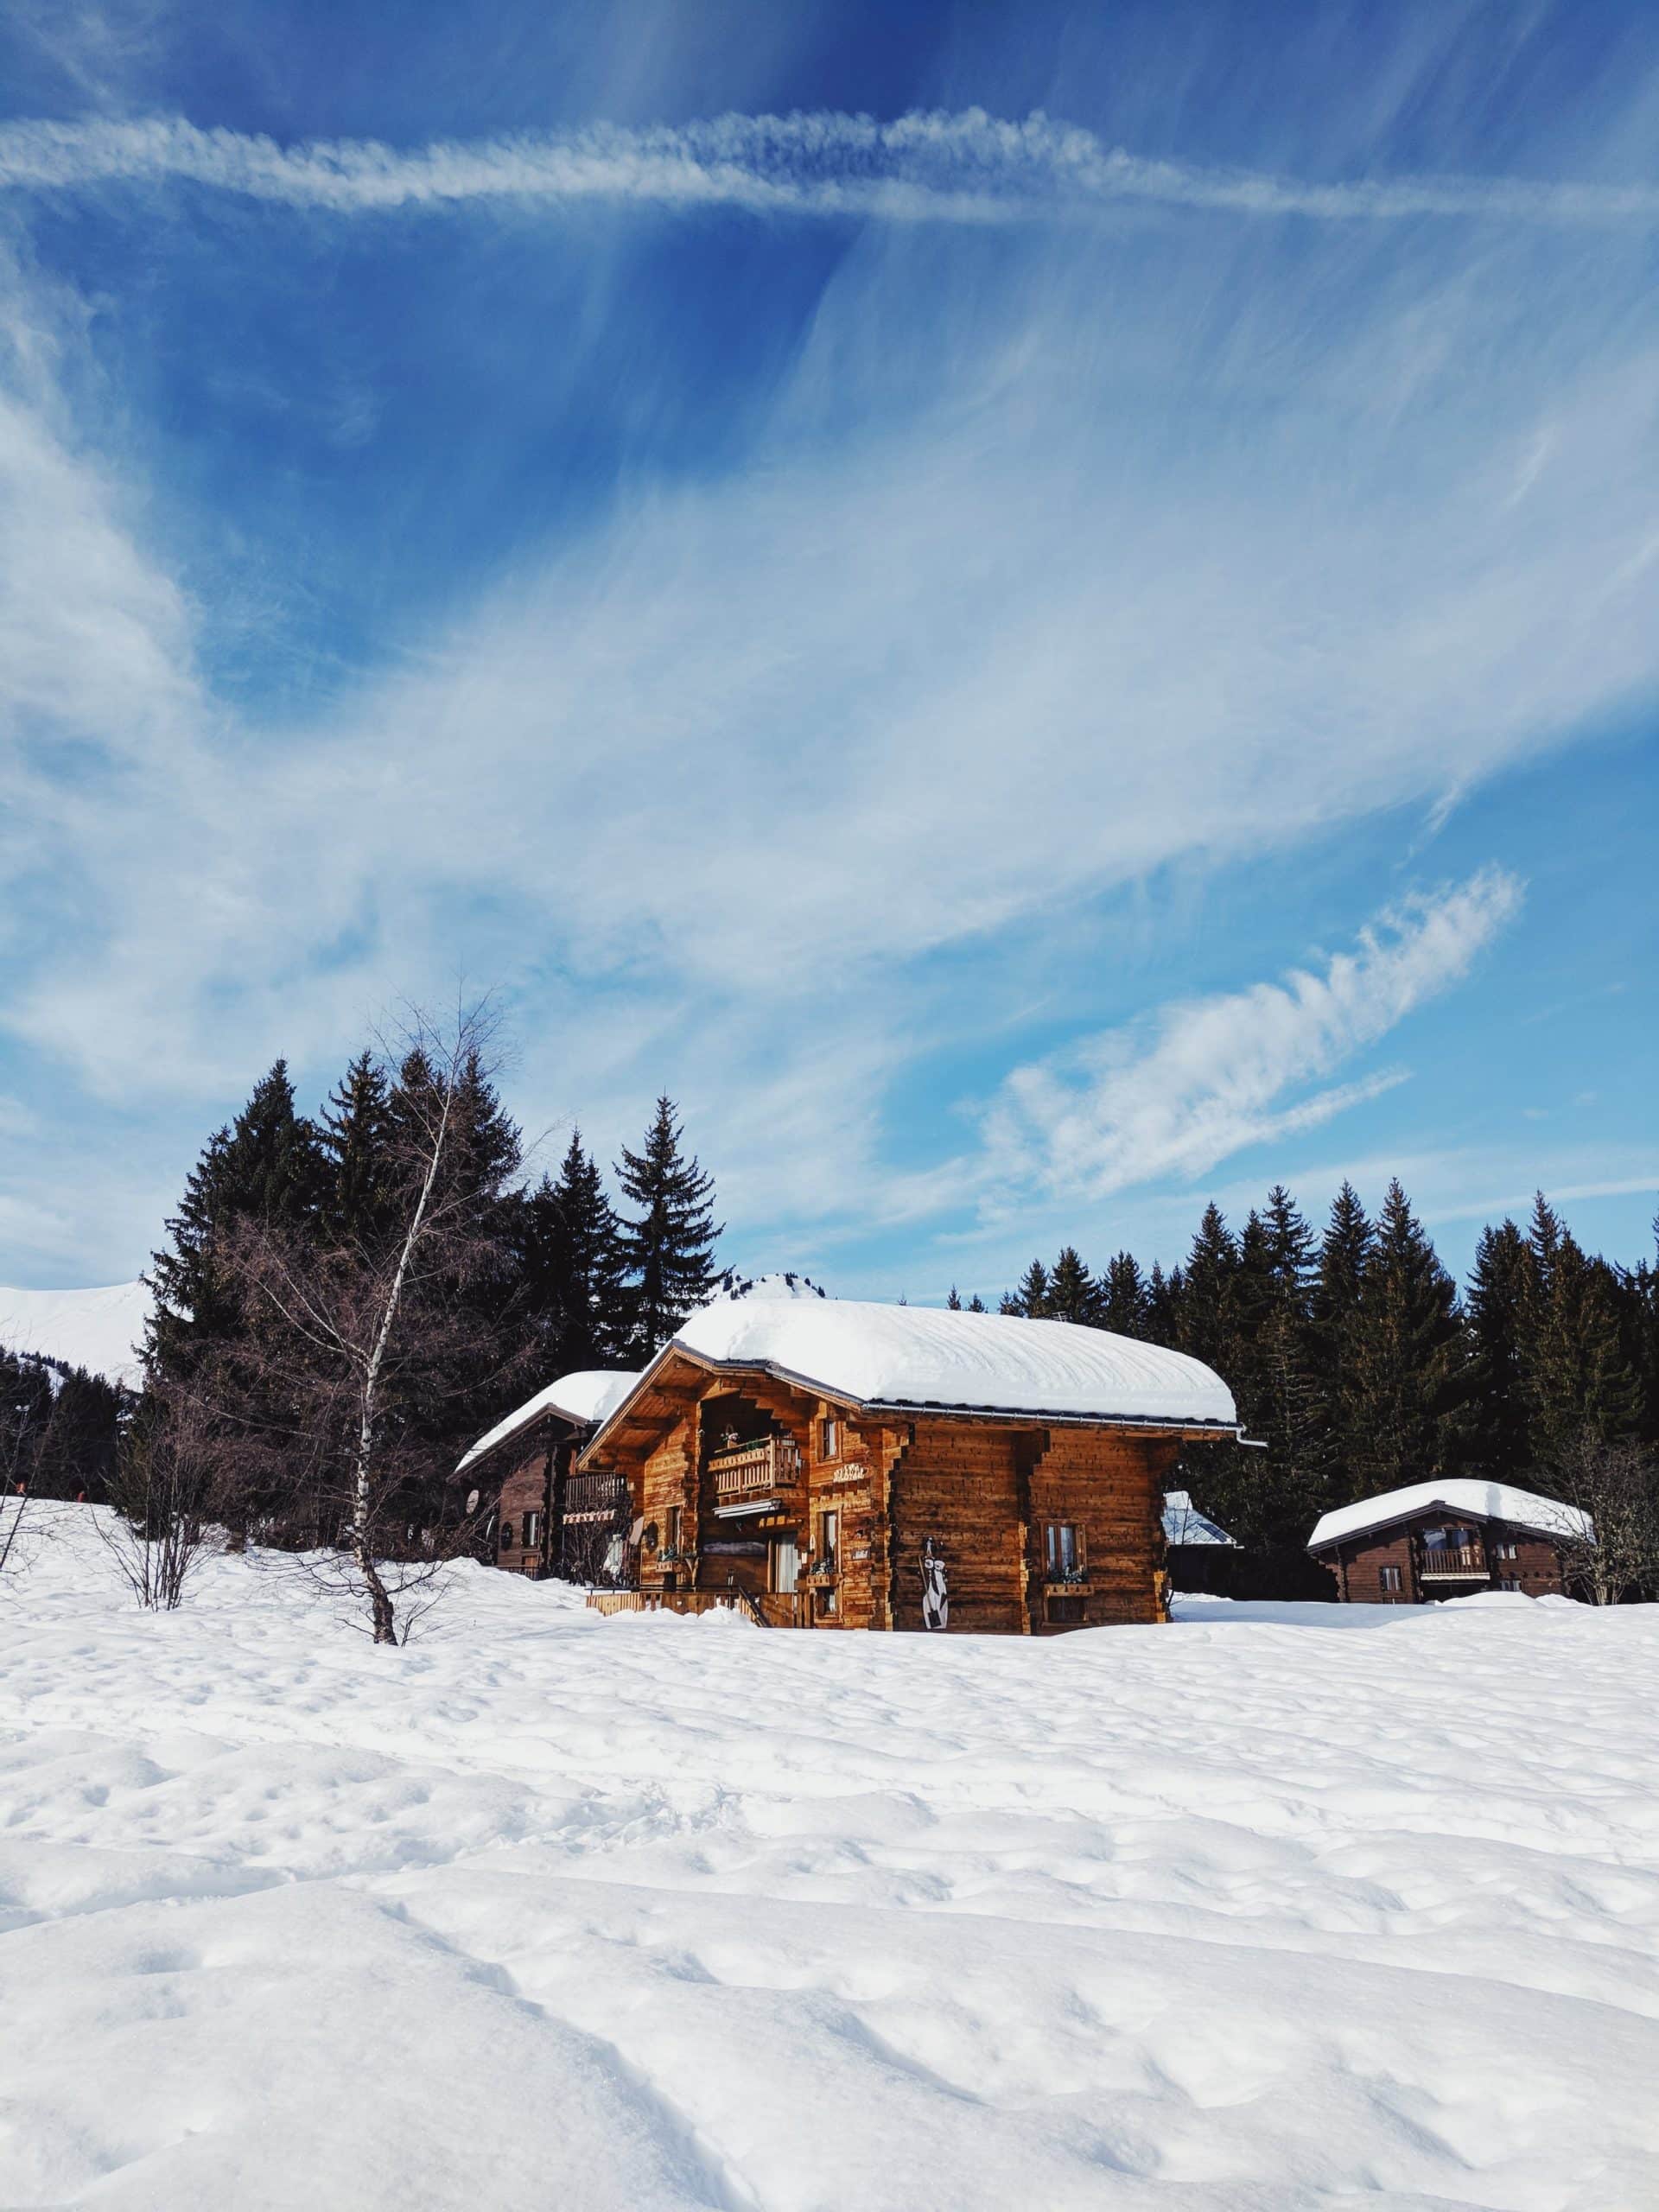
{"x":547,"y":1520}
{"x":834,"y":1465}
{"x":1446,"y":1540}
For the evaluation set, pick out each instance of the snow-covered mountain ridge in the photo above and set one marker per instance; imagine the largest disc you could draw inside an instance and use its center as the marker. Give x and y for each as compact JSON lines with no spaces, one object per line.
{"x":99,"y":1330}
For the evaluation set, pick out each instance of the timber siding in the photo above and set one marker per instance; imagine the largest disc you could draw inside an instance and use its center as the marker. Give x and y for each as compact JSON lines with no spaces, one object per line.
{"x":756,"y":1471}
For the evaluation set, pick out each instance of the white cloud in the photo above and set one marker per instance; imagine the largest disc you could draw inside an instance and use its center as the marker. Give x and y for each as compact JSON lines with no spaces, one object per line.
{"x":1202,"y":1079}
{"x":968,"y":167}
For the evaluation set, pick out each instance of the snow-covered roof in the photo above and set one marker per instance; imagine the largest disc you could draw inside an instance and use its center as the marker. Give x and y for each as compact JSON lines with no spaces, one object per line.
{"x":1185,"y":1524}
{"x":1522,"y":1509}
{"x":586,"y":1397}
{"x":916,"y":1357}
{"x":99,"y":1330}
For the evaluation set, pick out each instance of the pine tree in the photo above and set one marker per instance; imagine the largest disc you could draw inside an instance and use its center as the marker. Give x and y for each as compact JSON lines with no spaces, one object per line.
{"x":1124,"y":1301}
{"x":1166,"y":1307}
{"x":1073,"y":1295}
{"x":1411,"y":1379}
{"x":1494,"y":1315}
{"x":667,"y":1242}
{"x":953,"y":1303}
{"x":267,"y":1167}
{"x":975,"y":1304}
{"x":1206,"y":1304}
{"x":1010,"y":1304}
{"x":1334,"y":1344}
{"x":356,"y":1141}
{"x":1577,"y":1372}
{"x":573,"y":1267}
{"x":1030,"y":1301}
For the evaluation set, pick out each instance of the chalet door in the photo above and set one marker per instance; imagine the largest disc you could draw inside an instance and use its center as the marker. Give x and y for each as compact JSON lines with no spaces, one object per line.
{"x":785,"y":1565}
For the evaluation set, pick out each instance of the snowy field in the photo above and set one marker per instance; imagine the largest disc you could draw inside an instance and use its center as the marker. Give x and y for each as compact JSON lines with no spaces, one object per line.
{"x":551,"y":1911}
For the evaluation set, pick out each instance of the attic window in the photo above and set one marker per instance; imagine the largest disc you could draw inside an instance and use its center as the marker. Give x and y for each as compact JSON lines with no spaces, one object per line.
{"x":829,"y":1438}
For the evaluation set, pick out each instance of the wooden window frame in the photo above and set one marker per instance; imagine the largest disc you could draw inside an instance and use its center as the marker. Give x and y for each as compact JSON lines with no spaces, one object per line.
{"x":1389,"y":1578}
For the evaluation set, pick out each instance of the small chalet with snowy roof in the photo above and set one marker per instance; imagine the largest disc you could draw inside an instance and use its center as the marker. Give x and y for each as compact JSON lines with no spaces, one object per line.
{"x":547,"y":1520}
{"x":1446,"y":1540}
{"x":827,"y":1464}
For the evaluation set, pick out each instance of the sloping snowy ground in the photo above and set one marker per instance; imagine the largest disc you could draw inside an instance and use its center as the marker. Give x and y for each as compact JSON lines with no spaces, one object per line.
{"x":547,"y":1911}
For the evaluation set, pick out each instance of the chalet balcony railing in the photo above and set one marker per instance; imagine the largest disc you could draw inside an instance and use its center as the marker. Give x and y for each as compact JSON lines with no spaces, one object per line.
{"x":594,"y":1497}
{"x":755,"y":1470}
{"x":1452,"y":1563}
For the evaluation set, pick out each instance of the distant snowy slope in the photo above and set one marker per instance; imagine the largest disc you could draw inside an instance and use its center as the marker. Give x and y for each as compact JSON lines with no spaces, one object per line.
{"x":100,"y":1329}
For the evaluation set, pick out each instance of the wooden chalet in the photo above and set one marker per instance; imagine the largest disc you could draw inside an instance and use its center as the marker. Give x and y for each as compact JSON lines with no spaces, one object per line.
{"x":1432,"y":1541}
{"x":831,"y":1464}
{"x":547,"y":1519}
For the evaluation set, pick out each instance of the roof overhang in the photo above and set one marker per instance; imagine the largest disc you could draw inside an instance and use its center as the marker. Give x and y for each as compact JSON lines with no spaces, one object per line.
{"x":1433,"y":1505}
{"x":901,"y":1409}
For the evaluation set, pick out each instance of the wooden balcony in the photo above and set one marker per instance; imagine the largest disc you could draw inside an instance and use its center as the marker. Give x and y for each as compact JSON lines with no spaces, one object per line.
{"x":594,"y":1497}
{"x":755,"y":1470}
{"x":1452,"y":1563}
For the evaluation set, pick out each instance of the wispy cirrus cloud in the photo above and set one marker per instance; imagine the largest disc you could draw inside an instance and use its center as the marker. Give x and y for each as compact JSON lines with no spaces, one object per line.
{"x":968,"y":167}
{"x":1204,"y":1078}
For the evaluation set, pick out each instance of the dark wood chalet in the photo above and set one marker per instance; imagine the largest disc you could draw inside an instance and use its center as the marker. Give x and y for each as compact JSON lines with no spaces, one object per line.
{"x":1434,"y":1540}
{"x":832,"y":1464}
{"x":547,"y":1518}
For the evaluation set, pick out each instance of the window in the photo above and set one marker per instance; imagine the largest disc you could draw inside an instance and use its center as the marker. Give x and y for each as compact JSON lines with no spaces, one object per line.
{"x":532,"y":1530}
{"x":829,"y":1534}
{"x":1505,"y":1549}
{"x":676,"y":1522}
{"x":506,"y":1535}
{"x":1062,"y":1552}
{"x":1390,"y":1578}
{"x":829,"y":1438}
{"x":1508,"y":1582}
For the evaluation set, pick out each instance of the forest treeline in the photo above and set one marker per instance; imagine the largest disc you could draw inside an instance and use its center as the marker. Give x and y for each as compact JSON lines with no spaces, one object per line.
{"x":1351,"y":1353}
{"x":1357,"y":1361}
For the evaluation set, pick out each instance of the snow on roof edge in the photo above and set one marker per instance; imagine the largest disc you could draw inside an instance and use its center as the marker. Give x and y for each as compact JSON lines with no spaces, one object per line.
{"x":1522,"y":1509}
{"x":586,"y":1395}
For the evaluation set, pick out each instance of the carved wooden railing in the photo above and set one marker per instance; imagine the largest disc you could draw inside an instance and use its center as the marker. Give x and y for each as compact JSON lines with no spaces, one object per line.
{"x":754,"y":1470}
{"x":593,"y":1496}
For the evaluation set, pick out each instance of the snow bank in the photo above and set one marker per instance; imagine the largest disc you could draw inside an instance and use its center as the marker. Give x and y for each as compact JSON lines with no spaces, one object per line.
{"x":102,"y":1331}
{"x":914,"y":1356}
{"x":588,"y":1397}
{"x":1523,"y":1509}
{"x":1277,"y":1910}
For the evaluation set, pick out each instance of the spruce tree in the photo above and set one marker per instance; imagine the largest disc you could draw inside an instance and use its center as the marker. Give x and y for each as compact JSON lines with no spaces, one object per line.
{"x":953,"y":1303}
{"x":573,"y":1267}
{"x":668,"y":1241}
{"x":975,"y":1304}
{"x":1206,"y":1303}
{"x":1411,"y":1378}
{"x":1030,"y":1301}
{"x":267,"y":1167}
{"x":1166,"y":1305}
{"x":356,"y":1140}
{"x":1334,"y":1345}
{"x":1073,"y":1295}
{"x":1577,"y":1373}
{"x":1124,"y":1301}
{"x":1494,"y":1315}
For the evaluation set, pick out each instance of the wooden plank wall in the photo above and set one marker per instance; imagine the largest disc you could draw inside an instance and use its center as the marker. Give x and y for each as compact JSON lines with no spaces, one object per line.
{"x":961,"y":1483}
{"x":1109,"y":1485}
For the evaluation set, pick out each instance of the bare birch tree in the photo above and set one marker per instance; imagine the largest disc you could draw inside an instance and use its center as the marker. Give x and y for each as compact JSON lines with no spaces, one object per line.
{"x":352,"y":1339}
{"x":1610,"y":1549}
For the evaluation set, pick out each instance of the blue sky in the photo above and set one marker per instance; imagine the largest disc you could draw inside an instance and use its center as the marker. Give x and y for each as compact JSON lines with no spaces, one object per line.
{"x":1042,"y":615}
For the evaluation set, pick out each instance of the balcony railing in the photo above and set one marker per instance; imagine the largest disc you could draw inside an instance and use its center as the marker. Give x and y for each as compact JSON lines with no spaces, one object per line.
{"x":1453,"y":1563}
{"x":755,"y":1470}
{"x":594,"y":1497}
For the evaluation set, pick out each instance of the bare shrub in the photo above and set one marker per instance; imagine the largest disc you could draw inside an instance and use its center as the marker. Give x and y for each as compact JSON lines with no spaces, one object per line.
{"x":1610,"y":1549}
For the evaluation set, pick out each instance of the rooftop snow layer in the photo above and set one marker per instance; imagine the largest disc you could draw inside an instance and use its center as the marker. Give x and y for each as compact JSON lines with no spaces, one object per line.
{"x":1185,"y":1524}
{"x":987,"y":1363}
{"x":587,"y":1396}
{"x":1522,"y":1509}
{"x":99,"y":1330}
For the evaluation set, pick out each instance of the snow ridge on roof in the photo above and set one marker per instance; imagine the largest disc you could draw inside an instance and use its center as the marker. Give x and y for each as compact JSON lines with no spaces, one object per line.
{"x":922,"y":1355}
{"x":587,"y":1396}
{"x":1522,"y":1508}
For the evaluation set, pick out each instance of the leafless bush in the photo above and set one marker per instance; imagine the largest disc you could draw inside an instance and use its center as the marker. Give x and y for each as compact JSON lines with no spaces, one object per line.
{"x":171,"y":1475}
{"x":1610,"y":1546}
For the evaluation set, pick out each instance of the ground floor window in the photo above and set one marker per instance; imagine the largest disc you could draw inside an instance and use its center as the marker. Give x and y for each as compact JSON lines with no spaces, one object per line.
{"x":506,"y":1535}
{"x":1390,"y":1578}
{"x":1062,"y":1551}
{"x":532,"y":1530}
